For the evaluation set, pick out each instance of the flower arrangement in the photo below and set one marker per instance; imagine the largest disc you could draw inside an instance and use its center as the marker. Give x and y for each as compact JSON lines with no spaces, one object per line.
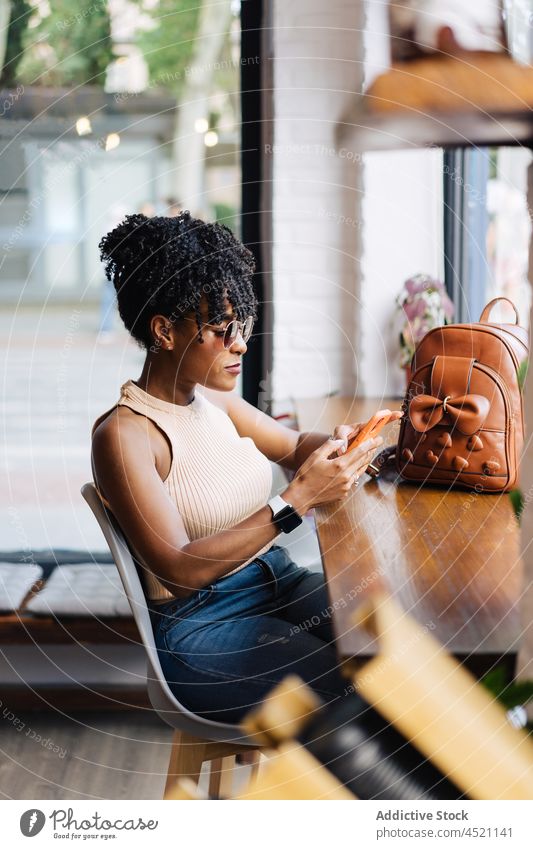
{"x":423,"y":304}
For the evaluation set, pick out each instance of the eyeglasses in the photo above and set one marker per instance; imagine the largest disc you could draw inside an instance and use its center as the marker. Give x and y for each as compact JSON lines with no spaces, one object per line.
{"x":229,"y":333}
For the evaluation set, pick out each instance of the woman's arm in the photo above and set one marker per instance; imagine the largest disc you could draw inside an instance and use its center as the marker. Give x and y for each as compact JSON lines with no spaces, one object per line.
{"x":279,"y":443}
{"x":307,"y":443}
{"x":126,"y":475}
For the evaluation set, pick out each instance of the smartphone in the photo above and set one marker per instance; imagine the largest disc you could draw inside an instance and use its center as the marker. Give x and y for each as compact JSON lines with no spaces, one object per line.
{"x":371,"y":428}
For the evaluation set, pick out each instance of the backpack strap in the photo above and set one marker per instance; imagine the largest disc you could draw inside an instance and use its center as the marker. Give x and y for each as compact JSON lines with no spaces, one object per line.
{"x":484,"y":318}
{"x":386,"y":457}
{"x":451,"y":376}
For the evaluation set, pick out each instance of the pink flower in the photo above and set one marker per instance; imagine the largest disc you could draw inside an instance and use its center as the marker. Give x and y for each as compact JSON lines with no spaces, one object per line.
{"x":425,"y":304}
{"x":415,"y":308}
{"x":417,"y":284}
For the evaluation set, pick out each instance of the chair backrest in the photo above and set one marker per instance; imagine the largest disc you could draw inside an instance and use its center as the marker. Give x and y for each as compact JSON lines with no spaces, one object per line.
{"x":163,"y":700}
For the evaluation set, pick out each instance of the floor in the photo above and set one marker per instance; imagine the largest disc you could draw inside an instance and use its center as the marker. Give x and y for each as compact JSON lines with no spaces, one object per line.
{"x":87,"y":756}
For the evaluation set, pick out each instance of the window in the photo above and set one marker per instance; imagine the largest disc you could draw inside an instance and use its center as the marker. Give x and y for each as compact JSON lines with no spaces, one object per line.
{"x":487,"y":227}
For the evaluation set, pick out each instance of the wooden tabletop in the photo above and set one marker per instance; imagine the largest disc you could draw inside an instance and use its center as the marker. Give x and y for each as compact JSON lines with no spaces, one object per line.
{"x":450,"y":557}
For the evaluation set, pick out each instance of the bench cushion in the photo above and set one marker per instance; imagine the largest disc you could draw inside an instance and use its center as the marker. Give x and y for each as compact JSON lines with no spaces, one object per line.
{"x":16,"y":580}
{"x":83,"y":589}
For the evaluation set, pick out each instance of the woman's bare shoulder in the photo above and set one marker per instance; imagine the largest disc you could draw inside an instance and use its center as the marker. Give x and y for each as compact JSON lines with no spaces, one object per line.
{"x":119,"y":448}
{"x":119,"y":431}
{"x":107,"y":425}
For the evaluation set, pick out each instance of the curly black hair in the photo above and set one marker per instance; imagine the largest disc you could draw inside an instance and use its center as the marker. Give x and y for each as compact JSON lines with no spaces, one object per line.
{"x":165,"y":265}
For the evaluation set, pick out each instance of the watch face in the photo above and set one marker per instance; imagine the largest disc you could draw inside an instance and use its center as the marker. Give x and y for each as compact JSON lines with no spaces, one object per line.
{"x":288,"y":519}
{"x":285,"y":513}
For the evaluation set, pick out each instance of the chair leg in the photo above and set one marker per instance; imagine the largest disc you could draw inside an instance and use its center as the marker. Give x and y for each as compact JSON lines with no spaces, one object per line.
{"x":214,"y":778}
{"x":187,"y":755}
{"x":186,"y":758}
{"x":251,"y":758}
{"x":255,"y":762}
{"x":221,"y":777}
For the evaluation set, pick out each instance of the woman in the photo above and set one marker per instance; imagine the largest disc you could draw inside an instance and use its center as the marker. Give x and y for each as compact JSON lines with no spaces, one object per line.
{"x":186,"y":472}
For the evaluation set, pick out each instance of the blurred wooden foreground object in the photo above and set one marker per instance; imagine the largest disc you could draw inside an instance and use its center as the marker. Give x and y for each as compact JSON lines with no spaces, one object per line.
{"x":436,"y":704}
{"x":450,"y":558}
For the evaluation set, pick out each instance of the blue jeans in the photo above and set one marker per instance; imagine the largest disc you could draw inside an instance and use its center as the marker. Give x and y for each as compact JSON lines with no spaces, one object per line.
{"x":225,"y":646}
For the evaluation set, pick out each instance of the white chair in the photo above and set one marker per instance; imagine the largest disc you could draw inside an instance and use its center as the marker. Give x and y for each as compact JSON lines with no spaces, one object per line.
{"x":196,"y":739}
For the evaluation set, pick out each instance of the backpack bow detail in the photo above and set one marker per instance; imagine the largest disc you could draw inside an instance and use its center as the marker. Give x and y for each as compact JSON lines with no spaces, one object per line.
{"x":467,"y":412}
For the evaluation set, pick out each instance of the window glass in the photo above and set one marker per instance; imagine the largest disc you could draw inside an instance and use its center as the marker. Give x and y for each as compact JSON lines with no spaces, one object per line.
{"x":509,"y":228}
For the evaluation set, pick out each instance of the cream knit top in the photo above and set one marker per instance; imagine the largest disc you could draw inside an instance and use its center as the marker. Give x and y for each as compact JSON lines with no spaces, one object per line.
{"x":217,"y":478}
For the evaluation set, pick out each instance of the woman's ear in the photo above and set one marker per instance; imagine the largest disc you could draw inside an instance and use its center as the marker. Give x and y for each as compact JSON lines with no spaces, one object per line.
{"x":161,"y":332}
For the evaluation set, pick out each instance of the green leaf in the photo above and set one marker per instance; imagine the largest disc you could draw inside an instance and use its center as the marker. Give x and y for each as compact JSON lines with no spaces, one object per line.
{"x":521,"y":375}
{"x":517,"y":500}
{"x":496,"y":680}
{"x":509,"y":694}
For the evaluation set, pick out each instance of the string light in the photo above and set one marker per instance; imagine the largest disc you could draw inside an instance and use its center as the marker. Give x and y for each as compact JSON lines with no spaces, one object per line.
{"x":112,"y":141}
{"x":83,"y":126}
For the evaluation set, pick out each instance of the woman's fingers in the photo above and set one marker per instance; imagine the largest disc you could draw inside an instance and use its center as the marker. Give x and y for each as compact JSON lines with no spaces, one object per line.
{"x":345,"y":433}
{"x":331,"y":448}
{"x":358,"y":459}
{"x":367,"y":447}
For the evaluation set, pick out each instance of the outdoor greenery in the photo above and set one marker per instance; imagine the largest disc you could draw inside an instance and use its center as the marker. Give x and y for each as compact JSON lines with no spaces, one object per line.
{"x":516,"y":495}
{"x":169,"y":46}
{"x":70,"y":46}
{"x":192,"y":53}
{"x":227,"y":215}
{"x":509,"y":693}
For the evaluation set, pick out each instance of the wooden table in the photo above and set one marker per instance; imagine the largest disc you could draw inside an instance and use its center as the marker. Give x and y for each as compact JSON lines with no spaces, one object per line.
{"x":450,"y":557}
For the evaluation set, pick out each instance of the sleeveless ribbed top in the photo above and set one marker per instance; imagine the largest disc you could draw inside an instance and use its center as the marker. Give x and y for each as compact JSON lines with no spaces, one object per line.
{"x":217,"y":478}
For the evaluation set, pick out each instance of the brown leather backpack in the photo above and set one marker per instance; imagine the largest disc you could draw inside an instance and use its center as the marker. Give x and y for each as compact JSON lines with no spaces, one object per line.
{"x":463,"y":421}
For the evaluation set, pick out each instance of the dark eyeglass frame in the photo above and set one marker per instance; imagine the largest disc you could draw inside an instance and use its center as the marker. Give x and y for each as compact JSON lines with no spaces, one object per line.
{"x":230,"y":332}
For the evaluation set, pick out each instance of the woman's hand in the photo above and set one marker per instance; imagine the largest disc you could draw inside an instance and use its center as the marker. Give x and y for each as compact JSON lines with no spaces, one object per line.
{"x":326,"y":476}
{"x":347,"y":432}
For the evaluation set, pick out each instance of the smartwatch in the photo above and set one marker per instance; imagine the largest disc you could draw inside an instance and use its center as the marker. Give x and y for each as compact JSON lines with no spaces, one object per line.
{"x":284,"y":515}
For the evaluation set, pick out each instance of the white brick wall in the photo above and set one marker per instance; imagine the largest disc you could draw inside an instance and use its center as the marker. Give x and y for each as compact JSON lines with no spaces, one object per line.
{"x":339,"y":257}
{"x":316,"y":67}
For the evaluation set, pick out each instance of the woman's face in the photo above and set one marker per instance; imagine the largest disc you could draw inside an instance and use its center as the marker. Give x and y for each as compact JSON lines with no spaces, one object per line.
{"x":208,"y":363}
